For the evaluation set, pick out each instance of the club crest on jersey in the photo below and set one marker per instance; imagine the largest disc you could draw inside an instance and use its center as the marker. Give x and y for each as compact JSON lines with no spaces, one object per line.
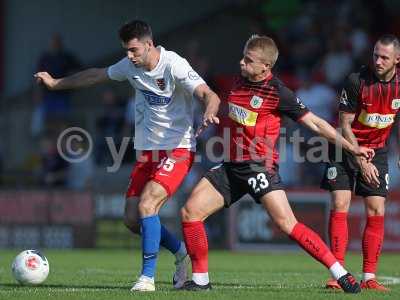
{"x":395,"y":103}
{"x":256,"y":102}
{"x":161,"y":83}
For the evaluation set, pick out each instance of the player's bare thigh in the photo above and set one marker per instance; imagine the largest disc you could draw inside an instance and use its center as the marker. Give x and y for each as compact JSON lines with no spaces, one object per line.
{"x":203,"y":202}
{"x":149,"y":203}
{"x":278,"y":207}
{"x":341,"y":200}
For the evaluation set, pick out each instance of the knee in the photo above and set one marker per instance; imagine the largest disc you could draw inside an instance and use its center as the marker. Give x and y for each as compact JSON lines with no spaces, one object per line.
{"x":191,"y":213}
{"x":149,"y":203}
{"x":341,"y":205}
{"x":376,"y":210}
{"x":147,"y":207}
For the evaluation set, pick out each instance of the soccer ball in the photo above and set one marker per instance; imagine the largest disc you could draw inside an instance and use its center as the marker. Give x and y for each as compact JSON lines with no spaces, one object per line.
{"x":30,"y":267}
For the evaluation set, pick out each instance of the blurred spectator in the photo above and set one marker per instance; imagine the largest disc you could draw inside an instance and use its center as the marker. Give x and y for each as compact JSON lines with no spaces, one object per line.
{"x":198,"y":61}
{"x":129,"y":125}
{"x":80,"y":173}
{"x":319,"y":97}
{"x":128,"y":130}
{"x":53,"y":167}
{"x":337,"y":63}
{"x":1,"y":166}
{"x":393,"y":158}
{"x":289,"y":169}
{"x":109,"y":124}
{"x":359,"y":42}
{"x":55,"y":104}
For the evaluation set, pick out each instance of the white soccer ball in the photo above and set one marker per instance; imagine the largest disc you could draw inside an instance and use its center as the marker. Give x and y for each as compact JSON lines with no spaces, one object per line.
{"x":30,"y":267}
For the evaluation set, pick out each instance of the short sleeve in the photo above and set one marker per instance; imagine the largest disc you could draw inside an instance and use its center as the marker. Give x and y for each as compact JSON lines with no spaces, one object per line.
{"x":118,"y":71}
{"x":185,"y":76}
{"x":350,"y":94}
{"x":290,"y":105}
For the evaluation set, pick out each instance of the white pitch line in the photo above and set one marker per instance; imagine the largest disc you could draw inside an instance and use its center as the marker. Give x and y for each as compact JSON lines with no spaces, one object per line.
{"x":390,"y":280}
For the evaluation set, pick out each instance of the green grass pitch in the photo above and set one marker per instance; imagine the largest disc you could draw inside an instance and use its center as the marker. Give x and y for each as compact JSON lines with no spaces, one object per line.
{"x":109,"y":274}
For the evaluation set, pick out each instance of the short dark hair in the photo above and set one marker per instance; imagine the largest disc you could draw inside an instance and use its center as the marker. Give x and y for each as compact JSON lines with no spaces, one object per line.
{"x":135,"y":29}
{"x":388,"y":39}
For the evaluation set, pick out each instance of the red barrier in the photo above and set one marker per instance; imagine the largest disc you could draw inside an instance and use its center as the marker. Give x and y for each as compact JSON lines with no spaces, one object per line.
{"x":54,"y":219}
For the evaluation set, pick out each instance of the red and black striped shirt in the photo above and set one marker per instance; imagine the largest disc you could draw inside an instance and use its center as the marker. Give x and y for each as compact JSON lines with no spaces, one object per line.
{"x":375,"y":104}
{"x":254,"y":119}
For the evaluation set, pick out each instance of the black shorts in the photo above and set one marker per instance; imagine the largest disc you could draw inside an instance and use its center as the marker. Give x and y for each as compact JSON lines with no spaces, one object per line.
{"x":343,"y":173}
{"x":234,"y":180}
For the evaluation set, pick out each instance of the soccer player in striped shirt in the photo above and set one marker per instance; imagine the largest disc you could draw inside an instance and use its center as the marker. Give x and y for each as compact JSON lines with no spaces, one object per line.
{"x":256,"y":106}
{"x":369,"y":103}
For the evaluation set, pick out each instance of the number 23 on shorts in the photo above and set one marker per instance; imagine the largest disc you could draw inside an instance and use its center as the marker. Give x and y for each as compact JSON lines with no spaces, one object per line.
{"x":258,"y":183}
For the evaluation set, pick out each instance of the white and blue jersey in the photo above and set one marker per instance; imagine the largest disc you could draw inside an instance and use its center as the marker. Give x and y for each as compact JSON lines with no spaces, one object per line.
{"x":163,"y":101}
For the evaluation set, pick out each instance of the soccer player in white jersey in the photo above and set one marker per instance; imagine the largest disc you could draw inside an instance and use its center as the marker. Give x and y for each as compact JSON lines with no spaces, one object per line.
{"x":165,"y":86}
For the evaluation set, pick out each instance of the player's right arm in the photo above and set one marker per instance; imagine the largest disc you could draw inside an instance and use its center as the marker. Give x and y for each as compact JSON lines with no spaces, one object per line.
{"x":368,"y":170}
{"x":92,"y":76}
{"x":84,"y":78}
{"x":347,"y":112}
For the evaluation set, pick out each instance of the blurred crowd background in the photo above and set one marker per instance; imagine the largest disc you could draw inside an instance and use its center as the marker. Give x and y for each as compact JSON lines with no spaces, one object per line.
{"x":320,"y":43}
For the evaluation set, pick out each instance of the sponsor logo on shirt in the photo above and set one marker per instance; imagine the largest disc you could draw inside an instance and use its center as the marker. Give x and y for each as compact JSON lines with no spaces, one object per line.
{"x":242,"y":115}
{"x":256,"y":102}
{"x":154,"y":99}
{"x":376,"y":120}
{"x":396,"y":104}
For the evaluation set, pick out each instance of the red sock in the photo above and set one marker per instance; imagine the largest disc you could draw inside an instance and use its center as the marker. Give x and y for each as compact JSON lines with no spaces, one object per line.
{"x":372,"y":243}
{"x":195,"y":237}
{"x":338,"y":234}
{"x":313,"y":244}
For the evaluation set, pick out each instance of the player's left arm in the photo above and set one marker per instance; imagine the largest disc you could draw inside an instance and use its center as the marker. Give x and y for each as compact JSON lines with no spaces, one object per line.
{"x":323,"y":128}
{"x":292,"y":106}
{"x":212,"y":102}
{"x":194,"y":85}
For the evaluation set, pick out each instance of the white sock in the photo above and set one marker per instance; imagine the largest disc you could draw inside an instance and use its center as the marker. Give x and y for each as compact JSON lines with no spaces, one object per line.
{"x":368,"y":276}
{"x":147,"y":278}
{"x":337,"y":270}
{"x":181,"y":253}
{"x":201,"y":278}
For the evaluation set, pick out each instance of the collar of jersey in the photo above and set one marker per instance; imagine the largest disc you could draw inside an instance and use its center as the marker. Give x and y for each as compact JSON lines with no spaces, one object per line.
{"x":159,"y":62}
{"x":262,"y":82}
